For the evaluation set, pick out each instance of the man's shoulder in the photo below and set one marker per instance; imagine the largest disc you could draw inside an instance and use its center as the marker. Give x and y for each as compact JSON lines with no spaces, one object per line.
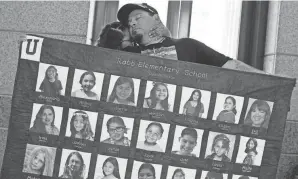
{"x":189,"y":41}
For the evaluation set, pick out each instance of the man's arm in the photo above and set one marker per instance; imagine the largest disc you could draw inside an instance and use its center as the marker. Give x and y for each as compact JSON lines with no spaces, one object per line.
{"x":238,"y":65}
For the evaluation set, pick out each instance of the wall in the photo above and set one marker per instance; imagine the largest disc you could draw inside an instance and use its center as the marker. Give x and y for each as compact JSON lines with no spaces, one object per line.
{"x":61,"y":20}
{"x":281,"y":57}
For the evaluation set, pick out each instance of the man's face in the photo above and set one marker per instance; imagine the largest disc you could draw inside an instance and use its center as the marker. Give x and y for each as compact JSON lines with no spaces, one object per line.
{"x":140,"y":22}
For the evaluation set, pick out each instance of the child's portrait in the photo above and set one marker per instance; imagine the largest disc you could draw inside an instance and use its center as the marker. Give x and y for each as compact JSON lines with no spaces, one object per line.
{"x":213,"y":175}
{"x":87,"y":84}
{"x":243,"y":177}
{"x":51,"y":80}
{"x":220,"y":147}
{"x":228,"y":108}
{"x":258,"y":113}
{"x":194,"y":102}
{"x":123,"y":90}
{"x":46,"y":119}
{"x":153,"y":136}
{"x":81,"y":124}
{"x":250,"y":151}
{"x":187,"y":141}
{"x":116,"y":130}
{"x":142,"y":170}
{"x":74,"y":164}
{"x":181,"y":173}
{"x":159,"y":96}
{"x":110,"y":167}
{"x":39,"y":160}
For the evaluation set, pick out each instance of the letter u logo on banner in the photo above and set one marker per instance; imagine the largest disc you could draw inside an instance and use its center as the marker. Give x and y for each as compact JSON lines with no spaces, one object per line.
{"x":31,"y":48}
{"x":34,"y":46}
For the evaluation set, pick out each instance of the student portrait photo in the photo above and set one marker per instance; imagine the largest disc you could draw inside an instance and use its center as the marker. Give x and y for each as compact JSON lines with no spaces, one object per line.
{"x":74,"y":164}
{"x":116,"y":130}
{"x":46,"y":119}
{"x":123,"y":90}
{"x":51,"y":80}
{"x":228,"y":108}
{"x":81,"y":124}
{"x":87,"y":84}
{"x":142,"y":170}
{"x":213,"y":175}
{"x":110,"y":167}
{"x":187,"y":141}
{"x":194,"y":102}
{"x":258,"y":113}
{"x":39,"y":160}
{"x":250,"y":151}
{"x":153,"y":136}
{"x":181,"y":173}
{"x":159,"y":96}
{"x":243,"y":177}
{"x":220,"y":146}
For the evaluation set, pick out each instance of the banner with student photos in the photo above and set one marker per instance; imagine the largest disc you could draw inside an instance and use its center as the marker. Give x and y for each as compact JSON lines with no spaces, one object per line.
{"x":85,"y":112}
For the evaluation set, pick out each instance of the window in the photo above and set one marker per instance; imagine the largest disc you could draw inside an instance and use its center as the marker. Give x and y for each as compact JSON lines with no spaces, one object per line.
{"x":217,"y":23}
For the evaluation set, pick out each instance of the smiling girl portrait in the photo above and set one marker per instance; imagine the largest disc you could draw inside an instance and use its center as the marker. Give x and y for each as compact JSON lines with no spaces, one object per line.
{"x":259,"y":114}
{"x":51,"y":80}
{"x":194,"y":106}
{"x":159,"y":96}
{"x":44,"y":121}
{"x":39,"y":160}
{"x":228,"y":108}
{"x":87,"y":84}
{"x":80,"y":126}
{"x":123,"y":90}
{"x":108,"y":167}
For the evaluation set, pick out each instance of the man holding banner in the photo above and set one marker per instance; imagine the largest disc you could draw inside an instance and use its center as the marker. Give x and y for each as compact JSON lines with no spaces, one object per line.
{"x":141,"y":18}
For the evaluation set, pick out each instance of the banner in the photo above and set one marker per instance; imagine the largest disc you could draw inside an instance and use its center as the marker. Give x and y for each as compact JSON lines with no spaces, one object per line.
{"x":80,"y":112}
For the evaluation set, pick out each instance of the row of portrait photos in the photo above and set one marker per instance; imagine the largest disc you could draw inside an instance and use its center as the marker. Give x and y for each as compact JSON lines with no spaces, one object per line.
{"x":51,"y":81}
{"x":40,"y":160}
{"x":152,"y":135}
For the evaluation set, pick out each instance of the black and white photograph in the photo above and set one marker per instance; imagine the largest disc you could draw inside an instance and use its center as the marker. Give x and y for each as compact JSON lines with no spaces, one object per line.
{"x":258,"y":113}
{"x":81,"y":124}
{"x":187,"y":141}
{"x":243,"y":177}
{"x":159,"y":96}
{"x":51,"y":80}
{"x":153,"y":136}
{"x":46,"y":119}
{"x":195,"y":102}
{"x":116,"y":130}
{"x":228,"y":108}
{"x":123,"y":90}
{"x":87,"y":84}
{"x":181,"y":173}
{"x":220,"y":146}
{"x":39,"y":160}
{"x":74,"y":164}
{"x":108,"y":167}
{"x":142,"y":170}
{"x":213,"y":175}
{"x":250,"y":151}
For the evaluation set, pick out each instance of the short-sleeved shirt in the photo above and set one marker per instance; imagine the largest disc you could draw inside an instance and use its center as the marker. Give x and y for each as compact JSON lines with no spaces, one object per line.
{"x":185,"y":49}
{"x":51,"y":88}
{"x":142,"y":145}
{"x":226,"y":116}
{"x":81,"y":94}
{"x":191,"y":111}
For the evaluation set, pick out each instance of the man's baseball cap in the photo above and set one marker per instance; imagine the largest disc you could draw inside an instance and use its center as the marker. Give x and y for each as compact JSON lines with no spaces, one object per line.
{"x":125,"y":10}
